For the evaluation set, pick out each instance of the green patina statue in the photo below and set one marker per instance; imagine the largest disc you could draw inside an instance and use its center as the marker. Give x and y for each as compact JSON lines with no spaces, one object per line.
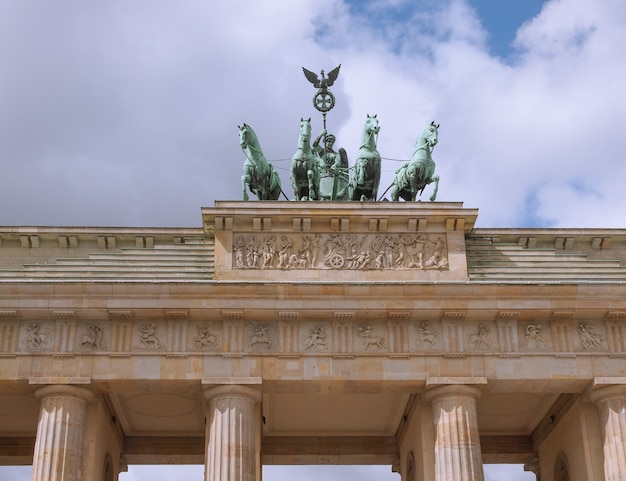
{"x":305,"y":171}
{"x":413,"y":176}
{"x":333,"y":168}
{"x":258,"y":175}
{"x":365,"y":177}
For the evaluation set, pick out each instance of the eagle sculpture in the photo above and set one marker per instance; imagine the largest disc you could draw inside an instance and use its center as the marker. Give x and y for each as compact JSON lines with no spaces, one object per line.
{"x":322,"y":83}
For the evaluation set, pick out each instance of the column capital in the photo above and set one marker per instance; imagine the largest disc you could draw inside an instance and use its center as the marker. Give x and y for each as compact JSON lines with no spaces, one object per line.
{"x":606,"y":392}
{"x":450,"y":390}
{"x":232,"y":390}
{"x":64,"y":390}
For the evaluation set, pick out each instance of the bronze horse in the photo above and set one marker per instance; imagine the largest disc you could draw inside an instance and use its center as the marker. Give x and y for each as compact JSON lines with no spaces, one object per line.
{"x":413,"y":176}
{"x":258,"y":174}
{"x":365,"y":177}
{"x":305,"y":171}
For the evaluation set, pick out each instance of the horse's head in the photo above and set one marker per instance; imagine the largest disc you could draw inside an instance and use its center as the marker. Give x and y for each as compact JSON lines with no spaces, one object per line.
{"x":430,"y":135}
{"x":245,"y":134}
{"x":305,"y":131}
{"x":371,"y":125}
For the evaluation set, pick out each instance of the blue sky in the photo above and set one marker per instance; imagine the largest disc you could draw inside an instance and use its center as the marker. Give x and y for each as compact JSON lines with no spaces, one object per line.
{"x":502,"y":18}
{"x":125,"y":113}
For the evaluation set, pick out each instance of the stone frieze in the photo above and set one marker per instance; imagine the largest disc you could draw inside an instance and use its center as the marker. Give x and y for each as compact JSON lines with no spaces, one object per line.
{"x":340,"y":251}
{"x":339,"y":335}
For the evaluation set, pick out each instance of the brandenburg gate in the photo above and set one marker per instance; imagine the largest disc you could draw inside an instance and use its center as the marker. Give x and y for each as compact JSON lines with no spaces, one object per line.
{"x":390,"y":333}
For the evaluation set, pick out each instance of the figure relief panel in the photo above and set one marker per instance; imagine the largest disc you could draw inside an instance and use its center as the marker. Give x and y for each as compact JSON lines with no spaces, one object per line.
{"x":92,"y":337}
{"x":340,"y":251}
{"x":148,"y":337}
{"x":316,"y":338}
{"x":260,"y":336}
{"x":37,"y":336}
{"x":206,"y":337}
{"x":591,"y":337}
{"x":481,"y":337}
{"x":428,"y":336}
{"x":371,"y":338}
{"x":535,"y":336}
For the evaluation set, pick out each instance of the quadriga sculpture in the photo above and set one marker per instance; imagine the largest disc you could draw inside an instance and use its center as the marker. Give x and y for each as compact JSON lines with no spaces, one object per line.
{"x":258,"y":175}
{"x":366,"y":174}
{"x":305,"y":172}
{"x":413,"y":176}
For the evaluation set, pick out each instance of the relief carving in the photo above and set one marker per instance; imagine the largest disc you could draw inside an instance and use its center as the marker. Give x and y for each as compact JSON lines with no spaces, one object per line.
{"x":260,"y":336}
{"x":533,"y":337}
{"x":340,"y":251}
{"x":316,"y":338}
{"x":589,"y":339}
{"x":427,"y":336}
{"x":481,"y":340}
{"x":368,"y":339}
{"x":93,"y":337}
{"x":37,"y":339}
{"x":204,"y":339}
{"x":149,"y":339}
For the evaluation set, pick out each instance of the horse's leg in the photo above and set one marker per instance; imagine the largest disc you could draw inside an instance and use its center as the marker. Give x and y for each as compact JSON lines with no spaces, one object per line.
{"x":435,"y":179}
{"x":312,"y":193}
{"x":245,"y":180}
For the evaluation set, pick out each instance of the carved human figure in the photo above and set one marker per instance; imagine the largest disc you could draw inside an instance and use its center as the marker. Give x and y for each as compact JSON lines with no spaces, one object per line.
{"x":317,"y":338}
{"x":311,"y":249}
{"x":333,"y":167}
{"x":93,"y":338}
{"x":253,"y":252}
{"x":148,"y":336}
{"x":366,"y":333}
{"x":589,"y":339}
{"x":260,"y":335}
{"x":36,"y":338}
{"x":427,"y":336}
{"x":283,"y":253}
{"x":269,"y":252}
{"x":480,"y":340}
{"x":204,"y":338}
{"x":533,"y":337}
{"x":239,"y":249}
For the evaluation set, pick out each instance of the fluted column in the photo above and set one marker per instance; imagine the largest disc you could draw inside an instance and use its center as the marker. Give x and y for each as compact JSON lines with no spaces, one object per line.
{"x":611,"y":404}
{"x":232,"y":431}
{"x":59,"y":444}
{"x":457,"y":441}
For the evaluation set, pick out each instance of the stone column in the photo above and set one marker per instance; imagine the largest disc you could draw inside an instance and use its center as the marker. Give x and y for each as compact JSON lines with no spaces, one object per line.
{"x":611,"y":403}
{"x":232,"y":433}
{"x":457,"y":441}
{"x":59,"y":444}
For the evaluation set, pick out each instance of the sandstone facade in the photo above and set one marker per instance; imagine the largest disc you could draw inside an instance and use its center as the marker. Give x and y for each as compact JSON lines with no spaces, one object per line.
{"x":306,"y":333}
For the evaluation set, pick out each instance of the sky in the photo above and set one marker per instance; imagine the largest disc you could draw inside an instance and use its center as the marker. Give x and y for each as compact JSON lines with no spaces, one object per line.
{"x":125,"y":112}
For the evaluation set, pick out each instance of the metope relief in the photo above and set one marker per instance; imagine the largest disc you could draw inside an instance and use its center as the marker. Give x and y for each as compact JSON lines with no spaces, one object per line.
{"x":205,"y":339}
{"x":37,"y":339}
{"x":316,"y":339}
{"x":534,"y":339}
{"x":340,"y":251}
{"x":426,"y":336}
{"x":92,"y":338}
{"x":148,"y":338}
{"x":260,"y":337}
{"x":369,"y":340}
{"x":481,"y":339}
{"x":588,"y":338}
